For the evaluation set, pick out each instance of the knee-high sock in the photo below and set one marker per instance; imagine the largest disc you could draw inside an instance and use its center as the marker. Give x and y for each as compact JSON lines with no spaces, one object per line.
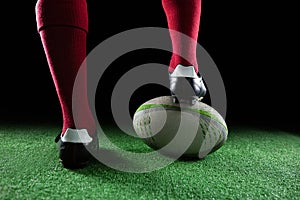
{"x":183,"y":16}
{"x":63,"y":26}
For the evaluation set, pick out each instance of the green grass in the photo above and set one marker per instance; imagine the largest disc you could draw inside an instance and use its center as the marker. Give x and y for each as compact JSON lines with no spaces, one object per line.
{"x":253,"y":164}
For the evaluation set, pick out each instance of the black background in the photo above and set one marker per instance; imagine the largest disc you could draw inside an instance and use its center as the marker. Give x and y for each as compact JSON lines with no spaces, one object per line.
{"x":253,"y":44}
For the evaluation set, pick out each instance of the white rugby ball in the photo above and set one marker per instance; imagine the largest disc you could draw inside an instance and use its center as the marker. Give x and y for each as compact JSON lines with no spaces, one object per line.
{"x":180,"y":130}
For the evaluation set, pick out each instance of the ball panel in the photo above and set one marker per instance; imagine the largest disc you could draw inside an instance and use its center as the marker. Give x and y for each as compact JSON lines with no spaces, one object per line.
{"x":166,"y":102}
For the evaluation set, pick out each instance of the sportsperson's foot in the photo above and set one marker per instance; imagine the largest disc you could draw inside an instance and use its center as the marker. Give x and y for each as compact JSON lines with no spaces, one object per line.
{"x":75,"y":147}
{"x":185,"y":85}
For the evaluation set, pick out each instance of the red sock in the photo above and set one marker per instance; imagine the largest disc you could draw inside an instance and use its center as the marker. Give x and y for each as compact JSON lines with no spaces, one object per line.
{"x":63,"y":26}
{"x":183,"y":16}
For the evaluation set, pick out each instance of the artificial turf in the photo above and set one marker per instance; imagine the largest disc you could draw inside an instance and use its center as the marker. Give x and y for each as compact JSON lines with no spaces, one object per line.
{"x":254,"y":163}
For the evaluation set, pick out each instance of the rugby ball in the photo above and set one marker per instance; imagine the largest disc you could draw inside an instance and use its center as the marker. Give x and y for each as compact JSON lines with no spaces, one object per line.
{"x":180,"y":130}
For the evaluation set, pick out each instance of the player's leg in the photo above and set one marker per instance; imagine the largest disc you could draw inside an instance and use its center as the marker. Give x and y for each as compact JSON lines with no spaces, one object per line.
{"x":63,"y":26}
{"x":183,"y":16}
